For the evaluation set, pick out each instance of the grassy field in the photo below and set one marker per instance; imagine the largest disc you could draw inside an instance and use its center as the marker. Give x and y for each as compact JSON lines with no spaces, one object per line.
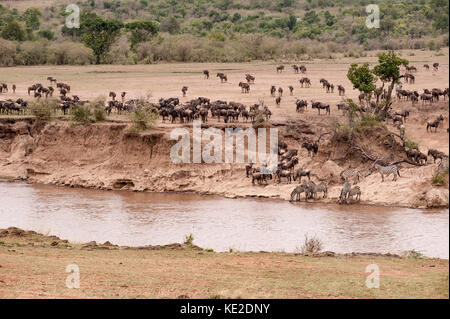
{"x":34,"y":266}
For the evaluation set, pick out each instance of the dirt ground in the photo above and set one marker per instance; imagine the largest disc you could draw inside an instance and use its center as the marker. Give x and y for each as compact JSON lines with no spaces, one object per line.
{"x":103,"y":155}
{"x":34,"y":266}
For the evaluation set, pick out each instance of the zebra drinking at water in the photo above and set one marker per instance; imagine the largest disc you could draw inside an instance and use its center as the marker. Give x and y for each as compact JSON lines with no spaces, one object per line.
{"x":355,"y":191}
{"x":387,"y":170}
{"x":344,"y":192}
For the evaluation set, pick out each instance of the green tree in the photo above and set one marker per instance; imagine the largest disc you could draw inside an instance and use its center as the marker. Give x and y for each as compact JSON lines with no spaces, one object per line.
{"x":388,"y":70}
{"x":99,"y":34}
{"x":31,"y":18}
{"x":141,"y":31}
{"x":13,"y":31}
{"x":362,"y":79}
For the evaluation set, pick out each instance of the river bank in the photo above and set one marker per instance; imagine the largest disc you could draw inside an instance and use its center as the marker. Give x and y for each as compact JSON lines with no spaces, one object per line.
{"x":107,"y":156}
{"x":33,"y":265}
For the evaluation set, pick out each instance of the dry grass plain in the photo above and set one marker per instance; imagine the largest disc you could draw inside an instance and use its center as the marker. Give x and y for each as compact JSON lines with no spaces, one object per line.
{"x":32,"y":267}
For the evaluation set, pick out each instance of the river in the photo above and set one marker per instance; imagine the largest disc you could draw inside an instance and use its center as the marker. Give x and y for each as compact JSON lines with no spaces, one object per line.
{"x":136,"y":219}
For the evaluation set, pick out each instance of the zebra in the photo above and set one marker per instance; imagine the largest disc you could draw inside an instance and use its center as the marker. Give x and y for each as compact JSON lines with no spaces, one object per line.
{"x":344,"y":192}
{"x":355,"y":191}
{"x":387,"y":170}
{"x":322,"y":187}
{"x":351,"y":172}
{"x":297,"y":191}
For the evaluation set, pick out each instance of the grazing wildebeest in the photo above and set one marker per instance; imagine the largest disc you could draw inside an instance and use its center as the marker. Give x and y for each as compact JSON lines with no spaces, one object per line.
{"x":280,"y":91}
{"x":426,"y":66}
{"x":301,"y":105}
{"x":112,"y":95}
{"x":435,"y":123}
{"x":291,"y":89}
{"x":245,"y":87}
{"x":280,"y":68}
{"x":250,"y":78}
{"x":435,"y":66}
{"x":341,"y":90}
{"x":296,"y":69}
{"x":206,"y":74}
{"x":222,"y":76}
{"x":184,"y":90}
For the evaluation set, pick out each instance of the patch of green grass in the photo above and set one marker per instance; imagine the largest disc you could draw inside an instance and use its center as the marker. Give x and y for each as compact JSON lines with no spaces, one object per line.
{"x":440,"y":178}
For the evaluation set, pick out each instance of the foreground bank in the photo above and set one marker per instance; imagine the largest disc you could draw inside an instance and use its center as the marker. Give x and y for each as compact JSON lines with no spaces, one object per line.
{"x":107,"y":156}
{"x":34,"y":266}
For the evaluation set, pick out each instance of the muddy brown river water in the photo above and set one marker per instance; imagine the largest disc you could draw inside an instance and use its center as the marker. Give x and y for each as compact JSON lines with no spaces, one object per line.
{"x":135,"y":219}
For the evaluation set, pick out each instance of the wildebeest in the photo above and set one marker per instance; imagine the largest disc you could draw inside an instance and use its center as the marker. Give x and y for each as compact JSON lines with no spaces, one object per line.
{"x":272,"y":90}
{"x":320,"y":106}
{"x":311,"y":147}
{"x":250,"y":78}
{"x":291,"y":89}
{"x":278,"y":100}
{"x":435,"y":123}
{"x":305,"y":81}
{"x":222,"y":76}
{"x":300,"y":173}
{"x":341,"y":89}
{"x":206,"y":74}
{"x":245,"y":87}
{"x":301,"y":105}
{"x":280,"y":68}
{"x":435,"y":66}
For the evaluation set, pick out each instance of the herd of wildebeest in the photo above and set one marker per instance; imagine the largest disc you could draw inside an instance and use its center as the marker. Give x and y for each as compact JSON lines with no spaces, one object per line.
{"x":173,"y":110}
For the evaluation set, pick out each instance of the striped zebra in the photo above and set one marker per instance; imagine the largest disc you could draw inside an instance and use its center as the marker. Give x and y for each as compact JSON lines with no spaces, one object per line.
{"x":355,"y":191}
{"x":387,"y":170}
{"x":351,"y":172}
{"x":344,"y":192}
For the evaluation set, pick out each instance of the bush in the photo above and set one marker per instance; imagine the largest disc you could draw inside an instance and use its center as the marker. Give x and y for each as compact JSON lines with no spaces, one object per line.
{"x":81,"y":114}
{"x":98,"y":109}
{"x":42,"y":109}
{"x":143,"y":116}
{"x":440,"y":178}
{"x":411,"y":145}
{"x":189,"y":239}
{"x":311,"y":245}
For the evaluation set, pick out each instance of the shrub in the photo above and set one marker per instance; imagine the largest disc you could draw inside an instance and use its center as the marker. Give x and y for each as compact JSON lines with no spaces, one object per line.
{"x":81,"y":114}
{"x":42,"y":109}
{"x":413,"y":254}
{"x":188,"y":239}
{"x":143,"y":116}
{"x":98,"y":108}
{"x":440,"y":178}
{"x":311,"y":245}
{"x":411,"y":145}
